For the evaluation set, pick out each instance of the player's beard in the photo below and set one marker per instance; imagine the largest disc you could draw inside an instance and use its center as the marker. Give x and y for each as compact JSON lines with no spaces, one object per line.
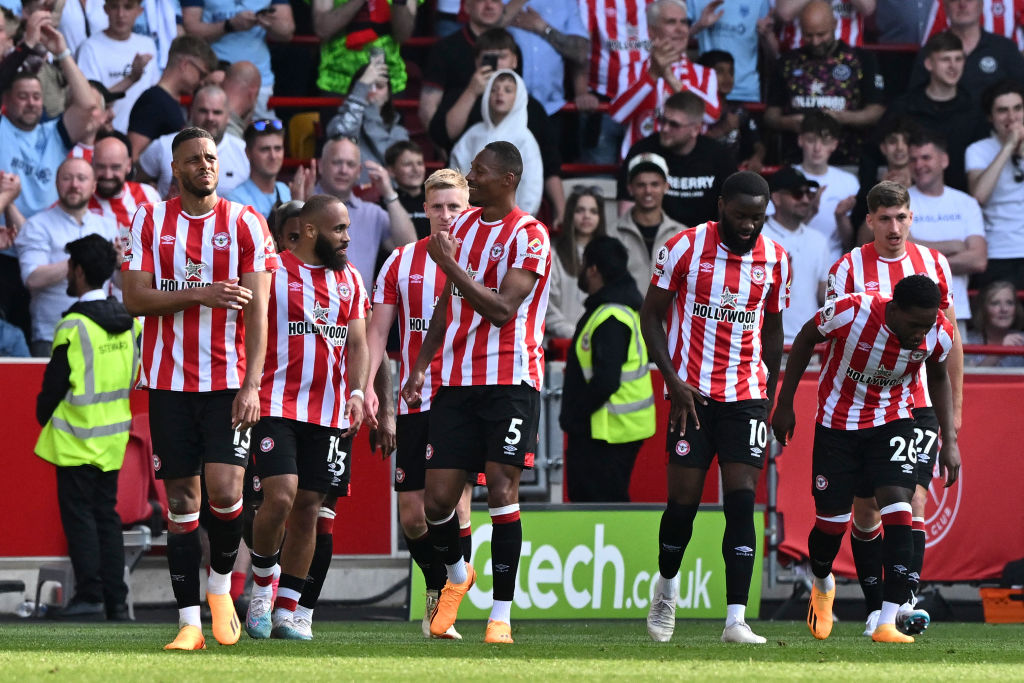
{"x":328,"y":255}
{"x":735,"y":243}
{"x":194,"y":190}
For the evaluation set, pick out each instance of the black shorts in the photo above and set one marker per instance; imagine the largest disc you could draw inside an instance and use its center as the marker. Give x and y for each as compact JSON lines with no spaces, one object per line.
{"x":190,"y":429}
{"x":926,"y":431}
{"x":470,"y":426}
{"x":856,"y":462}
{"x":736,"y":431}
{"x":317,"y":454}
{"x":412,"y":435}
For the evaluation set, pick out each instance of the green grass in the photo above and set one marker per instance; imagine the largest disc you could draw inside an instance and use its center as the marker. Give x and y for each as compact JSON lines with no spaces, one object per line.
{"x":542,"y":652}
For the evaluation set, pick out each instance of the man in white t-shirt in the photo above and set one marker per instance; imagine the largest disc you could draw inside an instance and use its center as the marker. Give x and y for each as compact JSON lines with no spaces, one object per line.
{"x":119,"y":59}
{"x":819,"y":137}
{"x":209,"y":112}
{"x":945,"y":219}
{"x":995,"y":177}
{"x":807,"y":249}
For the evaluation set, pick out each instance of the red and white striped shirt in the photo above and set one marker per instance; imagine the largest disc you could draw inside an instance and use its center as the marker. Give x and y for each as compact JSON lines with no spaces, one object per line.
{"x":868,"y":379}
{"x":714,"y":326}
{"x":408,"y":280}
{"x":640,"y":104}
{"x":1001,"y":17}
{"x":123,"y":207}
{"x":309,"y":313}
{"x":199,"y":348}
{"x":618,"y":42}
{"x":849,"y":27}
{"x":81,"y":151}
{"x":864,"y":270}
{"x":477,"y":353}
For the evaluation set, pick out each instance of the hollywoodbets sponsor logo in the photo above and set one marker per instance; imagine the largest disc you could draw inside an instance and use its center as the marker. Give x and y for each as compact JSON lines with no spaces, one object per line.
{"x":748,"y":319}
{"x":175,"y":285}
{"x":881,"y":378}
{"x":335,"y":334}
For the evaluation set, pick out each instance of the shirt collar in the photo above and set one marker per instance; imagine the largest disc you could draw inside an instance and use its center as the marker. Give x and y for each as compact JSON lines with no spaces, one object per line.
{"x":93,"y":295}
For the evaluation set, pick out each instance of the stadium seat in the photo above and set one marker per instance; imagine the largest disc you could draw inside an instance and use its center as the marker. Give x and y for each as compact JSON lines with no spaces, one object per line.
{"x":303,"y":131}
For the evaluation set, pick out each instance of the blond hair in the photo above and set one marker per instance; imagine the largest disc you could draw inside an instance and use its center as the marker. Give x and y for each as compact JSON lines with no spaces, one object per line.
{"x":445,"y":179}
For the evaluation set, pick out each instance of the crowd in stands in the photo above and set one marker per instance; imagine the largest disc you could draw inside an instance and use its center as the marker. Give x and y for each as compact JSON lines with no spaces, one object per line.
{"x":666,"y":98}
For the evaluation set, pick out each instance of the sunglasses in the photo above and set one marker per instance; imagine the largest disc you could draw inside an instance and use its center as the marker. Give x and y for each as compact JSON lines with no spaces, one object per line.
{"x":587,"y":189}
{"x":263,"y":125}
{"x":800,"y":193}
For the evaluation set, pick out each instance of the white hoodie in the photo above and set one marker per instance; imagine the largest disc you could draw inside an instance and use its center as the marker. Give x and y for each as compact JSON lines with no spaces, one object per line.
{"x":512,"y":129}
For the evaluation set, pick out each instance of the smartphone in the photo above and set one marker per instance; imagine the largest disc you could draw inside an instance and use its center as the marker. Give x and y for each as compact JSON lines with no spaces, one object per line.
{"x":490,"y":59}
{"x":376,"y":54}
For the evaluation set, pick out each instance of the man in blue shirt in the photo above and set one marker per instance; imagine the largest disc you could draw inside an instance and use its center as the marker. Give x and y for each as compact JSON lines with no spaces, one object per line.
{"x":732,"y":27}
{"x":264,"y":146}
{"x":32,"y":149}
{"x":238,"y":30}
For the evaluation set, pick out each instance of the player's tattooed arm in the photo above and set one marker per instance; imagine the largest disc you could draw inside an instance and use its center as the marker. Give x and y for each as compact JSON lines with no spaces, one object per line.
{"x":431,"y":344}
{"x":357,"y":362}
{"x":784,"y":418}
{"x":652,"y":324}
{"x":141,"y":298}
{"x":940,"y":389}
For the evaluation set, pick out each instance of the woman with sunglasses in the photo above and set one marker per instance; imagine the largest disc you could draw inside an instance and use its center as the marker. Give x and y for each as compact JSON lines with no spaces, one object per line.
{"x":584,"y":212}
{"x":368,"y":116}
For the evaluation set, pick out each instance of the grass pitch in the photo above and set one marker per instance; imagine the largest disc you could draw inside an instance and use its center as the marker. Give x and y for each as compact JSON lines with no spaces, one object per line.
{"x":543,"y":651}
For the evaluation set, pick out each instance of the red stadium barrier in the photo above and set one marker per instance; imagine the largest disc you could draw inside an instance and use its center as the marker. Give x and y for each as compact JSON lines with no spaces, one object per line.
{"x":29,"y":520}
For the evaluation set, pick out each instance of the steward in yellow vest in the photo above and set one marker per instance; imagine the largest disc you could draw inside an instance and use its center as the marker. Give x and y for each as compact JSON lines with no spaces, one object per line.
{"x":84,"y":409}
{"x":607,"y":397}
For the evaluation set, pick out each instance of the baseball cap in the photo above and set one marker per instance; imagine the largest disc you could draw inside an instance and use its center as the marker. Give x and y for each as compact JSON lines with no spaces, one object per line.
{"x":789,"y":178}
{"x":108,"y":96}
{"x":647,"y":161}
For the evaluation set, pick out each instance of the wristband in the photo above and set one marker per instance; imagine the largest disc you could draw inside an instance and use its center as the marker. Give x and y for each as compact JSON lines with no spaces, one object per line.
{"x":357,"y":392}
{"x":227,"y":26}
{"x":548,"y":31}
{"x":392,"y":199}
{"x":62,"y":55}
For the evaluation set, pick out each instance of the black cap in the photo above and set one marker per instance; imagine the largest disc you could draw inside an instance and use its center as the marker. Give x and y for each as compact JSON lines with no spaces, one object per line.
{"x":789,"y":178}
{"x":108,"y":96}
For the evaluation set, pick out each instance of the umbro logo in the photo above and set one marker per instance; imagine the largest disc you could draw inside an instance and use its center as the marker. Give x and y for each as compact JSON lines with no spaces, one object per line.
{"x":744,"y":551}
{"x":416,"y":277}
{"x":295,"y":286}
{"x":167,"y":239}
{"x":871,"y":286}
{"x":864,"y":346}
{"x":706,"y":267}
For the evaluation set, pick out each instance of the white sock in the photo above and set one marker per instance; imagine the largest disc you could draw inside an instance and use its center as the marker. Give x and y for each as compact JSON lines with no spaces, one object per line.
{"x":457,"y":572}
{"x":825,"y":585}
{"x":218,"y":584}
{"x":888,"y":615}
{"x":734,"y":614}
{"x":668,"y":587}
{"x":501,"y":610}
{"x":189,"y":616}
{"x":280,"y":614}
{"x":304,"y":612}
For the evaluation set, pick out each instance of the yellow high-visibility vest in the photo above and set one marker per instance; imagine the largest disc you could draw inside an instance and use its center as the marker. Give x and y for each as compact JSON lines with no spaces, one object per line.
{"x":90,"y":425}
{"x":629,"y":415}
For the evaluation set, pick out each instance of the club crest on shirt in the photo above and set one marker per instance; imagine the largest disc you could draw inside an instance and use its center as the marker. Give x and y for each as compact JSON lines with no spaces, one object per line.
{"x":221,"y":241}
{"x":344,"y":291}
{"x":194,"y":269}
{"x":917,"y":355}
{"x":829,"y":311}
{"x":757,"y":274}
{"x":498,"y":250}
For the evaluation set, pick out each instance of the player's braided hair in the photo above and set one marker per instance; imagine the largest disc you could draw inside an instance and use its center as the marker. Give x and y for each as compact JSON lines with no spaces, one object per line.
{"x":916,"y":291}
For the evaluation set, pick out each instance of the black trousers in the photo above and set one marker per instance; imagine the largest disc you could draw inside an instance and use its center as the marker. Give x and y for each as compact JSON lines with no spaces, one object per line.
{"x":598,"y":471}
{"x":88,"y":500}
